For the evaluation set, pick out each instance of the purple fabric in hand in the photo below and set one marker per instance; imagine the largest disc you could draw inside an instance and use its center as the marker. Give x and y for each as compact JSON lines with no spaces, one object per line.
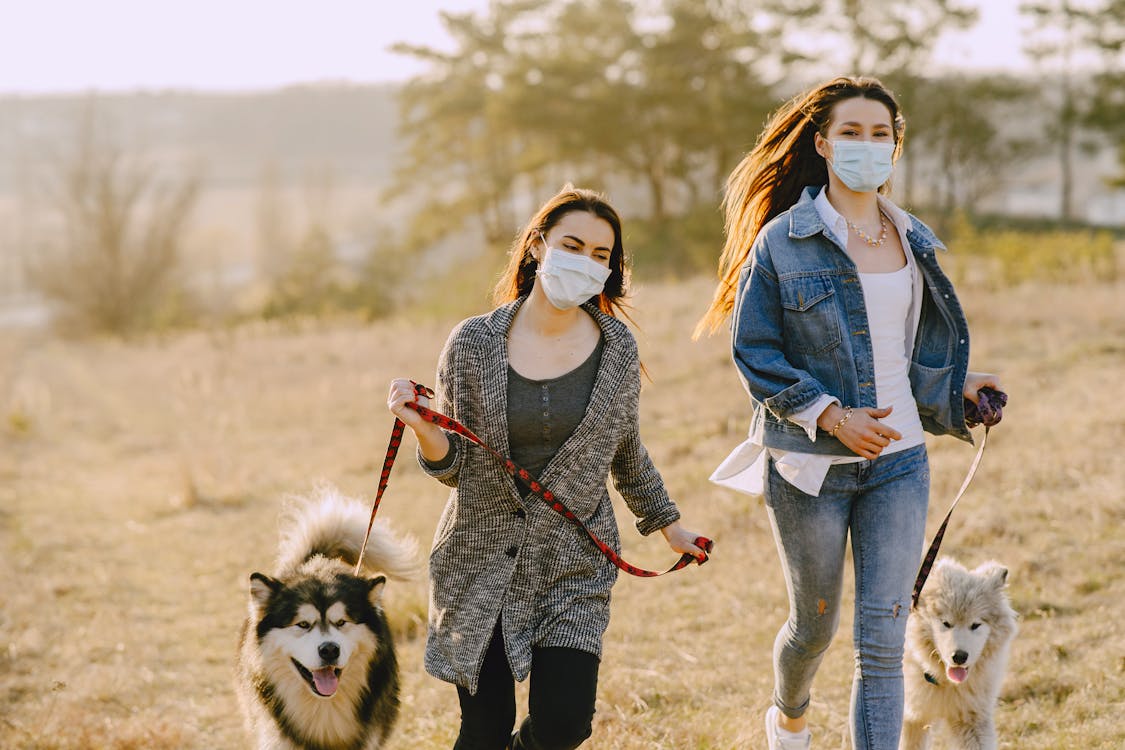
{"x":988,"y":410}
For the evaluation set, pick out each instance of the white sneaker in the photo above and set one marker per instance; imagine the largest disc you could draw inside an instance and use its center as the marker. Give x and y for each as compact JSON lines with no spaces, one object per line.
{"x":779,"y":739}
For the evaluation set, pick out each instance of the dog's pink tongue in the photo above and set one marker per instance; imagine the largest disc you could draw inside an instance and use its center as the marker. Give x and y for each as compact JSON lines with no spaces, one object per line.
{"x":957,"y":674}
{"x":325,"y":680}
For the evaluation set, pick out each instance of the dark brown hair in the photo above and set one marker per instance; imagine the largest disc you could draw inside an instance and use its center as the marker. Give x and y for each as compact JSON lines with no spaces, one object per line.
{"x":519,"y":275}
{"x":770,"y":178}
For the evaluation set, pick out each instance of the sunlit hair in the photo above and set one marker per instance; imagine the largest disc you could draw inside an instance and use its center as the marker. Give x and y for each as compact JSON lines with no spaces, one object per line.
{"x":770,"y":178}
{"x":519,"y":275}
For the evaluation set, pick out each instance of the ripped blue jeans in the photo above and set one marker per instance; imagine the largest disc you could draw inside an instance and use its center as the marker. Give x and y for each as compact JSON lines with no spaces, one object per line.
{"x":882,"y":504}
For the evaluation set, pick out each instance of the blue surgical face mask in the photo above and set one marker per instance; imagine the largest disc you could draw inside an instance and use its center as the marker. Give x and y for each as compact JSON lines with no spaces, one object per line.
{"x":862,"y":165}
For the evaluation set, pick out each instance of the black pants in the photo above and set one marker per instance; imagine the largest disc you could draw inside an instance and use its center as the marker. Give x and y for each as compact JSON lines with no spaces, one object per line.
{"x":564,"y":683}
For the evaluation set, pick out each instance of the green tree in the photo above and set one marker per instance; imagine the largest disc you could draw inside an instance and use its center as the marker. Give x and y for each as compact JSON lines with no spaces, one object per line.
{"x":889,"y":39}
{"x":578,"y":93}
{"x":461,"y":125}
{"x":703,"y":91}
{"x":596,"y":80}
{"x":1107,"y":111}
{"x":878,"y":36}
{"x":590,"y":91}
{"x":968,"y":138}
{"x":1065,"y":30}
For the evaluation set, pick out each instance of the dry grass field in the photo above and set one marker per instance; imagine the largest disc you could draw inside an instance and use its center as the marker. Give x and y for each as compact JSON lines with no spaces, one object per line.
{"x":140,"y":483}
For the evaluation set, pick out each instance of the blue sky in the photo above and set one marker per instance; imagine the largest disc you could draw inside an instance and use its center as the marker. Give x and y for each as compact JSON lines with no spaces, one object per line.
{"x":61,"y":45}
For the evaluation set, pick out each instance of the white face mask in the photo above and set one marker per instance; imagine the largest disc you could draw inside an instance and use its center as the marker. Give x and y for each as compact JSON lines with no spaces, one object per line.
{"x":862,"y":165}
{"x":569,"y":279}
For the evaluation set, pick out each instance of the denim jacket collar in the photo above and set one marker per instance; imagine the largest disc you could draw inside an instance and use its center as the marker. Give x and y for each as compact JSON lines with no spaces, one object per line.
{"x":805,"y":221}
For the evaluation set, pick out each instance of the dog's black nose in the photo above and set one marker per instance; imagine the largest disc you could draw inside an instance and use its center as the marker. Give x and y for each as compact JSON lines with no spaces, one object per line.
{"x":959,"y":657}
{"x":330,"y":652}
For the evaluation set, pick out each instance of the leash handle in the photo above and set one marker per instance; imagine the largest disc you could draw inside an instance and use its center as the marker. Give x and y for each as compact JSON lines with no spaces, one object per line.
{"x":388,"y":463}
{"x":988,"y":409}
{"x":515,"y":470}
{"x":931,"y":553}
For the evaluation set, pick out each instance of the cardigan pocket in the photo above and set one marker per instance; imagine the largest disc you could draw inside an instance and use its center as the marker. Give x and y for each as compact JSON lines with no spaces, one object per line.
{"x":445,"y":524}
{"x":571,"y":565}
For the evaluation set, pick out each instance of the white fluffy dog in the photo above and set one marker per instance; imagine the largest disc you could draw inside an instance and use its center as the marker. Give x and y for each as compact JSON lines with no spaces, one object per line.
{"x":957,"y":642}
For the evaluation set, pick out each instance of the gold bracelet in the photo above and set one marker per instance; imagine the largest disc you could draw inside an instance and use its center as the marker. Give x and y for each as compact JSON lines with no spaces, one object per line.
{"x":845,"y":418}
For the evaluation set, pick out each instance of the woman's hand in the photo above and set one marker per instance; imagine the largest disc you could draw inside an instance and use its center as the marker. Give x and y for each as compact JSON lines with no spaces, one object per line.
{"x":402,"y":393}
{"x":863,"y":433}
{"x":974,"y":381}
{"x":681,"y":540}
{"x":431,"y":439}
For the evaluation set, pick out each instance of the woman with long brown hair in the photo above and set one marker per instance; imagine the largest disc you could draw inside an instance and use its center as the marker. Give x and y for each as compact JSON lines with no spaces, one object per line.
{"x":851,"y":343}
{"x":551,"y":377}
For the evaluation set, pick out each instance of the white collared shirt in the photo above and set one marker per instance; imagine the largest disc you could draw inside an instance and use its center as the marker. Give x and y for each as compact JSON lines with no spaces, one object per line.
{"x":745,"y":468}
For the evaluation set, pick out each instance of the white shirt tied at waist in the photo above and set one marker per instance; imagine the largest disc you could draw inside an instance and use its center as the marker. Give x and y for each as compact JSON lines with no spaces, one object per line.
{"x":888,"y":297}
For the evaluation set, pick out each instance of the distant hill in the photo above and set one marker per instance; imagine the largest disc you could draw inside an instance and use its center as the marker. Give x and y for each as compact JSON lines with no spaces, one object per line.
{"x":348,"y":129}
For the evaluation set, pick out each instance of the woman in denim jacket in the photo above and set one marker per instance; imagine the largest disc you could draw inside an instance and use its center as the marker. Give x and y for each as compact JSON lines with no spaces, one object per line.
{"x":851,"y":343}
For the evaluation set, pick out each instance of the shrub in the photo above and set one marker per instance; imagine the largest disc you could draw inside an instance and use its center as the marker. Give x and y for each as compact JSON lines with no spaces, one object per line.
{"x":1005,"y":257}
{"x":316,"y":283}
{"x":113,"y":264}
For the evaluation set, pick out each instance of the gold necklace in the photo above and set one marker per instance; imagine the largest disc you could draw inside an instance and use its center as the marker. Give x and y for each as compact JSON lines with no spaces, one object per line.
{"x":868,"y":239}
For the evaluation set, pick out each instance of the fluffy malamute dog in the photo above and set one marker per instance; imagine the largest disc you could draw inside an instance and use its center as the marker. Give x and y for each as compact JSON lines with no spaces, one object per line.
{"x":316,"y":666}
{"x":957,"y":642}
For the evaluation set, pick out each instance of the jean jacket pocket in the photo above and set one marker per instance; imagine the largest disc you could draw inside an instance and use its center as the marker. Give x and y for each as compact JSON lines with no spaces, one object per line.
{"x":812,"y":323}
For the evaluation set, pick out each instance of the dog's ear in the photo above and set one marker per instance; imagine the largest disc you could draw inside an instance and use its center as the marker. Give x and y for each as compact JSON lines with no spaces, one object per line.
{"x":995,"y":573}
{"x":262,"y":587}
{"x":375,"y":595}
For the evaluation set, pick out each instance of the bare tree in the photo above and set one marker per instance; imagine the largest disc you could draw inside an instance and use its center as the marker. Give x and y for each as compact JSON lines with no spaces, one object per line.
{"x":112,"y":263}
{"x":274,"y":224}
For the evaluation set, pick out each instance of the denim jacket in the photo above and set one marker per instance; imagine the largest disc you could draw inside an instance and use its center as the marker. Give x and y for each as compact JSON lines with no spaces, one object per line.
{"x":800,"y":331}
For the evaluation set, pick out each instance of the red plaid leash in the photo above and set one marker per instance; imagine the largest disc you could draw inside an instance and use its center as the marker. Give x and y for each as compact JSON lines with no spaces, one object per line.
{"x":931,"y":553}
{"x":452,"y":425}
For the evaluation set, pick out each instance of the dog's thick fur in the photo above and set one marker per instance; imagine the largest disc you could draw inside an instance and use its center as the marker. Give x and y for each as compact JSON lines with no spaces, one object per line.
{"x":316,"y":665}
{"x":957,"y":642}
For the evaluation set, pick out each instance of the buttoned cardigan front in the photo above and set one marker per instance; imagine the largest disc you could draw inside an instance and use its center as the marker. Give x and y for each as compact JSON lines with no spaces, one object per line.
{"x":498,"y":556}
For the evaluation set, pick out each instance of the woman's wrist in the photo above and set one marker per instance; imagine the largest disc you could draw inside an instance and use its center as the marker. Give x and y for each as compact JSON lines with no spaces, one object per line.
{"x":830,"y":417}
{"x":433,"y":442}
{"x":833,"y":418}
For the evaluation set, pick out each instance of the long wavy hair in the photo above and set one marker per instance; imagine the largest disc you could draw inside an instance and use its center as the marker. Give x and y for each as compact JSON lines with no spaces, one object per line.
{"x":519,"y":275}
{"x":771,"y":177}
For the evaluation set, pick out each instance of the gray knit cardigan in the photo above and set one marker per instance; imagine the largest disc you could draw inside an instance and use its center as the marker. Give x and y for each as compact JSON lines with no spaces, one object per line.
{"x":495,"y":554}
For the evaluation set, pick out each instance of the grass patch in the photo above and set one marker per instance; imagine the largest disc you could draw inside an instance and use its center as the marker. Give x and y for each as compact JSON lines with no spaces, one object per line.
{"x":151,"y":491}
